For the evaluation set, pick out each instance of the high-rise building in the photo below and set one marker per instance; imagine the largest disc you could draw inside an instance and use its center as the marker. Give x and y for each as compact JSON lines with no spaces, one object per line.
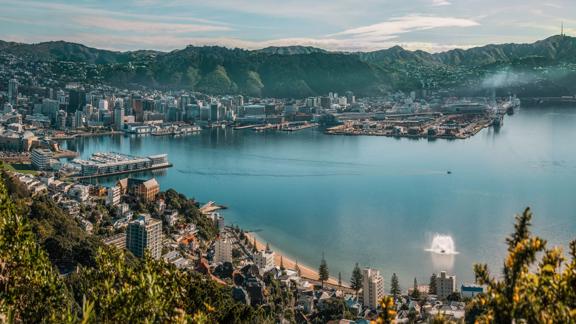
{"x":76,"y":100}
{"x":445,"y":285}
{"x":80,"y":119}
{"x":264,"y":260}
{"x":61,"y":120}
{"x":119,"y":114}
{"x":103,"y":104}
{"x":214,"y":112}
{"x":12,"y":91}
{"x":223,"y":250}
{"x":138,"y":109}
{"x":372,"y":287}
{"x":145,"y":233}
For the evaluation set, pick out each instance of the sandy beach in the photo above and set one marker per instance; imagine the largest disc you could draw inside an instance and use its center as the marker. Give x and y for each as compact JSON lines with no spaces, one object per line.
{"x":305,"y":271}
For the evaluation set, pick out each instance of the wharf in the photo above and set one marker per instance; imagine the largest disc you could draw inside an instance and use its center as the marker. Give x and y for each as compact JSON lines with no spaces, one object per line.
{"x":94,"y":176}
{"x":245,"y":127}
{"x":210,"y":207}
{"x":299,"y":127}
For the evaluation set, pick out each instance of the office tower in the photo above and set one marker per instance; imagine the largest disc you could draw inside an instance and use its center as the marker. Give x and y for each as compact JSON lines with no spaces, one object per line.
{"x":12,"y":91}
{"x":214,"y":112}
{"x":145,"y":233}
{"x":61,"y":120}
{"x":119,"y":114}
{"x":372,"y":287}
{"x":76,"y":100}
{"x":102,"y":104}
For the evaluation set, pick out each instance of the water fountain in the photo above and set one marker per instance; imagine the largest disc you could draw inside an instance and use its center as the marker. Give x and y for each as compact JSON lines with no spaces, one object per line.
{"x":442,"y":244}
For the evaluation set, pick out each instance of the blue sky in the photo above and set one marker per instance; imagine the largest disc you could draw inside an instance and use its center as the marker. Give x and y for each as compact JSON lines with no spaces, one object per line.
{"x":348,"y":25}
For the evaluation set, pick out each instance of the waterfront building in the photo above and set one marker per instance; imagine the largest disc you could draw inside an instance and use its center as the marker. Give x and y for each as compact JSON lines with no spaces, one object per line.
{"x":147,"y":190}
{"x":101,"y":164}
{"x":41,"y":158}
{"x":264,"y":260}
{"x":372,"y":287}
{"x":214,"y":112}
{"x":223,"y":250}
{"x":445,"y":285}
{"x":18,"y":141}
{"x":145,"y":233}
{"x":255,"y":110}
{"x":470,"y":290}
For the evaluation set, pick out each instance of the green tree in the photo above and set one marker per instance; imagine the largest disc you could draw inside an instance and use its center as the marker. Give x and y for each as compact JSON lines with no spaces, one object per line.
{"x":387,"y":314}
{"x":415,"y":290}
{"x":356,"y":279}
{"x":526,"y":291}
{"x":297,"y":269}
{"x":394,"y":286}
{"x":323,"y":274}
{"x":282,"y":268}
{"x":30,"y":289}
{"x":255,"y":246}
{"x":432,"y":286}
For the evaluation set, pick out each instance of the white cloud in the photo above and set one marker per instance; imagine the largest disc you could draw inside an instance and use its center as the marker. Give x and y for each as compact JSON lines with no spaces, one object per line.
{"x":146,"y":26}
{"x":441,"y":2}
{"x":400,"y":25}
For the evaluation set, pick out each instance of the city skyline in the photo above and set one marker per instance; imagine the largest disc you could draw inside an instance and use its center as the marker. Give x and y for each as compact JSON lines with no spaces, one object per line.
{"x":431,"y":25}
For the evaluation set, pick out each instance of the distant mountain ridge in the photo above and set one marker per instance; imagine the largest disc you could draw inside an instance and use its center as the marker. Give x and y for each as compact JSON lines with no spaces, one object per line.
{"x":299,"y":71}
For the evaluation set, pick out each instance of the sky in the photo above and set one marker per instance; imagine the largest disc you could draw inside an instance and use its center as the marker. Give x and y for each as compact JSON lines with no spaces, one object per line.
{"x":338,"y":25}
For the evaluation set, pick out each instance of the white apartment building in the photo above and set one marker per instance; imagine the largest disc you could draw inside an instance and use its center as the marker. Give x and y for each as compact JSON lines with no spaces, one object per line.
{"x":372,"y":287}
{"x":264,"y":260}
{"x":41,"y":158}
{"x":145,"y":233}
{"x":114,"y":195}
{"x":445,"y":285}
{"x":223,"y":250}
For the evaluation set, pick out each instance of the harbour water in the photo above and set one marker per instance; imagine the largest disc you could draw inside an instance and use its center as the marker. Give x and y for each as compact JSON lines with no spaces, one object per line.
{"x":378,"y":201}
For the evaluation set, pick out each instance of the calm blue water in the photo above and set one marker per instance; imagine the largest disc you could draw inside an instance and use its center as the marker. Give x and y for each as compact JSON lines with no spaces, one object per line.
{"x":375,"y":200}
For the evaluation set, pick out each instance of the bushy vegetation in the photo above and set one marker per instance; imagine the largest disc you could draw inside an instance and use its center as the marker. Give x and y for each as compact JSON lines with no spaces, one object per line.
{"x":207,"y":229}
{"x":60,"y":236}
{"x":110,"y":290}
{"x":530,"y":289}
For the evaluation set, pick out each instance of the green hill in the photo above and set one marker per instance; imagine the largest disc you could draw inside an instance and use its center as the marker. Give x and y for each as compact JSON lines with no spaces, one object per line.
{"x":298,"y":71}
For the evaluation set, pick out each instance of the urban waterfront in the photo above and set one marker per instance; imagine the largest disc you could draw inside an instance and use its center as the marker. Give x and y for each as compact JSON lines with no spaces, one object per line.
{"x":378,"y":200}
